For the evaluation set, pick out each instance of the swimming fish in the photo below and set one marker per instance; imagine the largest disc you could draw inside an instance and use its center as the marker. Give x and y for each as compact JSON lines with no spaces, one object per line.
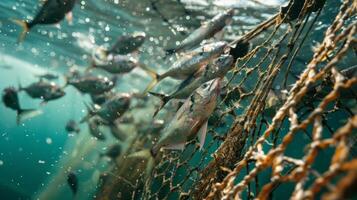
{"x":72,"y":127}
{"x":217,"y":68}
{"x":111,"y":110}
{"x":116,"y":64}
{"x":191,"y":62}
{"x":191,"y":119}
{"x":113,"y":151}
{"x":94,"y":130}
{"x":92,"y":84}
{"x":127,"y":44}
{"x":72,"y":181}
{"x":51,"y":12}
{"x":205,"y":31}
{"x":47,"y":76}
{"x":11,"y":100}
{"x":47,"y":91}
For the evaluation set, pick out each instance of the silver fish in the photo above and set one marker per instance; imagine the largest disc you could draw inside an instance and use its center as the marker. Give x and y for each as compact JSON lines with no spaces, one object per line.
{"x":191,"y":119}
{"x":111,"y":110}
{"x":93,"y":84}
{"x":44,"y":90}
{"x":192,"y":62}
{"x":215,"y":69}
{"x":116,"y":64}
{"x":207,"y":30}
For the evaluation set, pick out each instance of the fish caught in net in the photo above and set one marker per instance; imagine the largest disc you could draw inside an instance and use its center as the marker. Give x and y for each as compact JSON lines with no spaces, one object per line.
{"x":276,"y":119}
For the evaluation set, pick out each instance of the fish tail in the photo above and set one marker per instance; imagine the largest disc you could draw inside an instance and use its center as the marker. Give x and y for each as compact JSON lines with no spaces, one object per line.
{"x":164,"y":99}
{"x":23,"y":114}
{"x":149,"y":71}
{"x":25,"y":29}
{"x":156,"y":78}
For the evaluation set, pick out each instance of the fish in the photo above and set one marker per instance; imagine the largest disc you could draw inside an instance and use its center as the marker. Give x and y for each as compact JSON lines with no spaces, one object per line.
{"x":92,"y":84}
{"x":51,"y":12}
{"x":127,"y":44}
{"x":191,"y":62}
{"x":72,"y":182}
{"x":115,"y":64}
{"x":191,"y":119}
{"x":189,"y":122}
{"x":47,"y":76}
{"x":205,"y":31}
{"x":119,"y":64}
{"x":72,"y":127}
{"x":111,"y":110}
{"x":11,"y":100}
{"x":217,"y":68}
{"x":94,"y":130}
{"x":47,"y":91}
{"x":113,"y":151}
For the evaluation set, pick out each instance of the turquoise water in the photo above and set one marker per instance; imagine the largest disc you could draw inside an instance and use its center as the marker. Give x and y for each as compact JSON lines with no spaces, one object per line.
{"x":37,"y":151}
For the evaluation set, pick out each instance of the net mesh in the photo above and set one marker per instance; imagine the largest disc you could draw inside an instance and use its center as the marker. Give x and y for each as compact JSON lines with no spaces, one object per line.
{"x":277,"y":117}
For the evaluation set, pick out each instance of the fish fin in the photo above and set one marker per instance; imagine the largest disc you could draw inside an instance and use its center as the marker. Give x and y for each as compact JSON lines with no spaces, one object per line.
{"x":25,"y":29}
{"x":69,"y":17}
{"x":156,"y":78}
{"x":179,"y":146}
{"x":202,"y":134}
{"x":149,"y":71}
{"x":24,"y":114}
{"x":65,"y":80}
{"x":164,"y":99}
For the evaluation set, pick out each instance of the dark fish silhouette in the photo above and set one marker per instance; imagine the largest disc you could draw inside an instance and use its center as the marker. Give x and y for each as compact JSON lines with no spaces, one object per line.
{"x":51,"y":12}
{"x":72,"y":127}
{"x":11,"y":100}
{"x":72,"y":181}
{"x":113,"y":151}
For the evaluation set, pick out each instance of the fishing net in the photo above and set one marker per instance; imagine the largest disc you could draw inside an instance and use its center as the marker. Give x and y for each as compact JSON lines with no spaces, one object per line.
{"x":282,"y":124}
